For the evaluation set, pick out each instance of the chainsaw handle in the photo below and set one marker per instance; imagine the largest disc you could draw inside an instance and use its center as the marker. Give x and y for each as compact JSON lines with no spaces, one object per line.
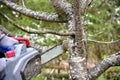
{"x":25,"y":40}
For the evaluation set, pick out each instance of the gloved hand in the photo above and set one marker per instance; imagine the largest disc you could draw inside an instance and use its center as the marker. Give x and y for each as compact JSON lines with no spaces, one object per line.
{"x":4,"y":49}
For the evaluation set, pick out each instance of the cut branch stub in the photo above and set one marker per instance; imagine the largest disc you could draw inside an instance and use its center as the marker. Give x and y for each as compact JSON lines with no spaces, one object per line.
{"x":65,"y":44}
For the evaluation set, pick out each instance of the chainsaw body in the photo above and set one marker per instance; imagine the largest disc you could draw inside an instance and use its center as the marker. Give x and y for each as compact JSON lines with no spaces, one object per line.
{"x":24,"y":65}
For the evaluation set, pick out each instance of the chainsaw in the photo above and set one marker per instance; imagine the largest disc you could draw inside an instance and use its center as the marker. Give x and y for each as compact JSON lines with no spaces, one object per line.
{"x":27,"y":61}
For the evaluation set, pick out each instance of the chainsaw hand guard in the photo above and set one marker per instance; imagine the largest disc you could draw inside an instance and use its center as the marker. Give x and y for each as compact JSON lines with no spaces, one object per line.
{"x":23,"y":40}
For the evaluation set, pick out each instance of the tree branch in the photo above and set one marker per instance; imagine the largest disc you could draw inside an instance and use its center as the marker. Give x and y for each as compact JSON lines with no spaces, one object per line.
{"x":62,"y":7}
{"x":5,"y":31}
{"x":23,"y":3}
{"x":112,"y":60}
{"x":34,"y":31}
{"x":102,"y":42}
{"x":36,"y":46}
{"x":84,"y":4}
{"x":44,"y":16}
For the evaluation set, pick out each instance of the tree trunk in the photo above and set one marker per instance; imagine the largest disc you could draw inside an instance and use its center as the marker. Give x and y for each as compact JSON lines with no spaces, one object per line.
{"x":77,"y":46}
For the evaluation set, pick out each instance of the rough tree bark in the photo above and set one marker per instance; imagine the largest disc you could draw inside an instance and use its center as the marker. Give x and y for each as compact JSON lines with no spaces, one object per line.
{"x":78,"y":66}
{"x":72,"y":14}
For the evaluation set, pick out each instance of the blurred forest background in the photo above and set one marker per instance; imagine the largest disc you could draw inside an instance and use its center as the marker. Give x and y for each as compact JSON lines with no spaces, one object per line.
{"x":102,"y":25}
